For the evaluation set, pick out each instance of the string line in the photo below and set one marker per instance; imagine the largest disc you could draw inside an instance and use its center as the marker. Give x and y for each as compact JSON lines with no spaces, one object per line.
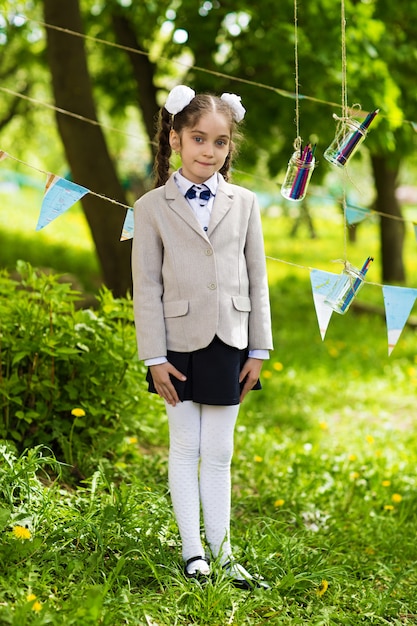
{"x":93,"y":193}
{"x":344,"y":115}
{"x":283,"y":92}
{"x":297,"y":103}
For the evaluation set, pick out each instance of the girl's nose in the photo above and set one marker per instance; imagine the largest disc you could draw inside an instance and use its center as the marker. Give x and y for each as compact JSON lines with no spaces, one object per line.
{"x":208,"y":148}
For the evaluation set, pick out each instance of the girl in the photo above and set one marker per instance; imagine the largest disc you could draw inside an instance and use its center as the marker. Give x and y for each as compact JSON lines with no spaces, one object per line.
{"x":202,"y":312}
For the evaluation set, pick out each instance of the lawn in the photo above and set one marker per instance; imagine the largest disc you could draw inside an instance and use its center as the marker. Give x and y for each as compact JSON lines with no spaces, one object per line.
{"x":324,"y":480}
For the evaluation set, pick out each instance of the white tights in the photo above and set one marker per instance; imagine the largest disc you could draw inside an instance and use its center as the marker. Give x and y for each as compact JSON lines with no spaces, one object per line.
{"x":201,"y":438}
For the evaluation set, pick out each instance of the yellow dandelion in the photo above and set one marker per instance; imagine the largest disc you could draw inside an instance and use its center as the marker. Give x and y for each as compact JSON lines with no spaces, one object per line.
{"x":370,"y":439}
{"x":266,"y":374}
{"x":21,"y":532}
{"x":279,"y":502}
{"x":132,"y":440}
{"x":323,"y":425}
{"x":323,"y":587}
{"x":278,"y":366}
{"x":36,"y":606}
{"x":257,"y":459}
{"x":354,"y":475}
{"x":386,"y":483}
{"x":78,"y":412}
{"x":396,"y":497}
{"x":352,"y":457}
{"x":334,"y":352}
{"x":388,"y":507}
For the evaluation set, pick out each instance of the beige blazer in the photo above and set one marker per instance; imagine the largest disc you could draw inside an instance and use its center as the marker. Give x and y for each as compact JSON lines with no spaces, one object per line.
{"x":190,"y":285}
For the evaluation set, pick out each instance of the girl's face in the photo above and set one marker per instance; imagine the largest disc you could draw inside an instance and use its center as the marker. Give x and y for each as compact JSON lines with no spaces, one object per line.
{"x":203,"y":147}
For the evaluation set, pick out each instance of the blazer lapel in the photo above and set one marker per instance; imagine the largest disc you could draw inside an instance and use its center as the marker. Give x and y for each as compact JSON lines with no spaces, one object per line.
{"x":222,"y":204}
{"x":180,"y":206}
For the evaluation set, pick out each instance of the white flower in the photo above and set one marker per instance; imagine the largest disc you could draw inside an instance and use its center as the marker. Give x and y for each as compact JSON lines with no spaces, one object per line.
{"x":234,"y":102}
{"x":179,"y":98}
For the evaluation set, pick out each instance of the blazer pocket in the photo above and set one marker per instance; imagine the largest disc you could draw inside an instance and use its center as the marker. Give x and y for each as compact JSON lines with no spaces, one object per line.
{"x":241,"y":303}
{"x":176,"y":308}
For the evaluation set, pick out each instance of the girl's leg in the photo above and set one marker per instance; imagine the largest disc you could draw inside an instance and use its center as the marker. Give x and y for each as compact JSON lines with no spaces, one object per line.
{"x":184,"y":452}
{"x":216,"y":451}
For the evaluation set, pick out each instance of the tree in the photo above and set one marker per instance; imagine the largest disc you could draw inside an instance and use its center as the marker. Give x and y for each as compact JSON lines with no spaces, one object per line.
{"x":85,"y":146}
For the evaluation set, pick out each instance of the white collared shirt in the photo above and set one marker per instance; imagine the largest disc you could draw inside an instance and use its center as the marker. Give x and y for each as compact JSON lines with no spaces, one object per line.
{"x":202,"y":213}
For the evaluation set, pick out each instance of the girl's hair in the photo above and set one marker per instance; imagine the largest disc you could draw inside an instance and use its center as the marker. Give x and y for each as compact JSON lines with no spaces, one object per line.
{"x":187,"y":118}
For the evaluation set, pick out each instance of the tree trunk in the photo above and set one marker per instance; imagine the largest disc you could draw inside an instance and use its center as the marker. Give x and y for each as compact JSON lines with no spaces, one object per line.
{"x":392,"y":230}
{"x":84,"y":143}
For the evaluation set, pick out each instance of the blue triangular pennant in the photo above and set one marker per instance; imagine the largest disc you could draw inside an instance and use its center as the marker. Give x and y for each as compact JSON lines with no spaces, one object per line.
{"x":355,"y":214}
{"x":60,"y":195}
{"x":128,"y":225}
{"x":398,"y":304}
{"x":322,"y":283}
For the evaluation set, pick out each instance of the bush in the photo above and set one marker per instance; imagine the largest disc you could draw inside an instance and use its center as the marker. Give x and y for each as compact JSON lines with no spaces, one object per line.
{"x":69,"y":378}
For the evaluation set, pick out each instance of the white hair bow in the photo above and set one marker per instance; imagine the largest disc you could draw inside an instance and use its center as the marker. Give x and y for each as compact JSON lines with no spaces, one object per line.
{"x":235,"y":104}
{"x":179,"y":98}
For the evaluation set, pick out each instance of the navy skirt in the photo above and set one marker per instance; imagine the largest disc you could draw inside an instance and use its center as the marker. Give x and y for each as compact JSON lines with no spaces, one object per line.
{"x":212,"y":374}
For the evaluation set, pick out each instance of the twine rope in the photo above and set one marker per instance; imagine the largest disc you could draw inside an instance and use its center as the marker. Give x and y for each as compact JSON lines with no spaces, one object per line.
{"x":298,"y":141}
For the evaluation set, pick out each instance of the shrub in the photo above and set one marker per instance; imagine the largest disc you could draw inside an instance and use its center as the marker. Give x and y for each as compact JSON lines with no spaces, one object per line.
{"x":69,"y":377}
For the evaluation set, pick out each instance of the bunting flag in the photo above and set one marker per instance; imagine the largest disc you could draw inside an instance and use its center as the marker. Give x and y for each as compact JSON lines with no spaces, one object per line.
{"x":127,"y":231}
{"x":398,"y":304}
{"x":322,"y":283}
{"x":3,"y":155}
{"x":60,"y":195}
{"x":355,"y":214}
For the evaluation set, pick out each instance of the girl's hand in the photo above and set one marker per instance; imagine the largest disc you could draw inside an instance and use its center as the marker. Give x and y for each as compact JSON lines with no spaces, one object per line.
{"x":163,"y":385}
{"x":250,"y":374}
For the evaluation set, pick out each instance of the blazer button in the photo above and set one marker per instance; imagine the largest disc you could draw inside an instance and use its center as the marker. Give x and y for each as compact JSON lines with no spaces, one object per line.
{"x":212,"y":286}
{"x":209,"y":252}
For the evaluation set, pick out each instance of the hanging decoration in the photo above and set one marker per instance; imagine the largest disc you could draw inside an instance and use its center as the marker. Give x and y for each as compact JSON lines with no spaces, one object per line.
{"x":347,"y":286}
{"x":355,"y":214}
{"x":299,"y":171}
{"x":60,"y":195}
{"x":349,"y":136}
{"x":322,"y":283}
{"x":398,"y":304}
{"x":349,"y":133}
{"x":128,"y":226}
{"x":301,"y":164}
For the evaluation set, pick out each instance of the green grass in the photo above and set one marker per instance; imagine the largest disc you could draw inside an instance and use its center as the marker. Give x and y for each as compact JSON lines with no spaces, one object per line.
{"x":324,"y":483}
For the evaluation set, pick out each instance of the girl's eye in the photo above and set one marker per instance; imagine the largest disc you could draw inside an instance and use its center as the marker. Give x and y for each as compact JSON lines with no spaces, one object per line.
{"x":198,"y":139}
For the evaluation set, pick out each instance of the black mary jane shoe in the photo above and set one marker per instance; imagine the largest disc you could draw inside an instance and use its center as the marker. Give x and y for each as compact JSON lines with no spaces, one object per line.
{"x":197,"y":574}
{"x":241,"y":579}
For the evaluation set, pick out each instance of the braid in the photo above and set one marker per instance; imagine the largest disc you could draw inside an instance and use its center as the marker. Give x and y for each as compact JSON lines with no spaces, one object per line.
{"x":164,"y":149}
